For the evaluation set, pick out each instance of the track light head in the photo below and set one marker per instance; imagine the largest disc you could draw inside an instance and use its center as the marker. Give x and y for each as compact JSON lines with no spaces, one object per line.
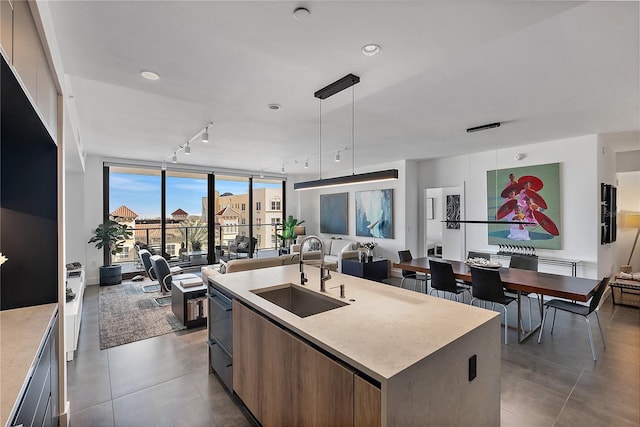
{"x":205,"y":135}
{"x":282,"y":170}
{"x":164,"y":166}
{"x":338,"y":157}
{"x":187,"y":149}
{"x":174,"y":158}
{"x":306,"y":164}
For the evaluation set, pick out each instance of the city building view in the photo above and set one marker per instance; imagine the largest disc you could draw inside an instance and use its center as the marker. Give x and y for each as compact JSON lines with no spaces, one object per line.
{"x":135,"y":201}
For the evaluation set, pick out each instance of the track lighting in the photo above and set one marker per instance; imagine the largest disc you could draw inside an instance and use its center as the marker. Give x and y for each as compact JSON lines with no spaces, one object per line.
{"x":174,"y":158}
{"x":164,"y":166}
{"x":282,"y":170}
{"x":338,"y":157}
{"x":306,"y":164}
{"x":261,"y":174}
{"x":205,"y":135}
{"x":187,"y":149}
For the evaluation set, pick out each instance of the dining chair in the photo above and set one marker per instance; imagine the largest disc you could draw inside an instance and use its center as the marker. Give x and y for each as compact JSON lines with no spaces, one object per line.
{"x":405,"y":256}
{"x":486,"y":286}
{"x":580,"y":309}
{"x":472,"y":254}
{"x":443,"y":279}
{"x":525,"y":263}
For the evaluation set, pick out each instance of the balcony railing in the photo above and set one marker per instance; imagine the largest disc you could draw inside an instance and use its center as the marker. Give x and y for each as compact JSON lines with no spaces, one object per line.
{"x":180,"y":240}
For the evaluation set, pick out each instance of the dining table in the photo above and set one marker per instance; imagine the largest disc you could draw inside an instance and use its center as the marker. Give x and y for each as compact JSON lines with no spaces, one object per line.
{"x":519,"y":281}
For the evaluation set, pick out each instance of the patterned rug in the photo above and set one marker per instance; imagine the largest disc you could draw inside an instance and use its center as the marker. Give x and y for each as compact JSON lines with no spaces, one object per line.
{"x":127,"y":314}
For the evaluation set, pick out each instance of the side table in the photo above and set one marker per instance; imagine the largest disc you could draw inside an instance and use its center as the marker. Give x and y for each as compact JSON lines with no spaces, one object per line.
{"x":376,"y":270}
{"x":189,"y":304}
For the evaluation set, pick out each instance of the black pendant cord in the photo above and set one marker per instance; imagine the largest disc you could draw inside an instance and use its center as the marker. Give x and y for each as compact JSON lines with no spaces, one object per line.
{"x":320,"y":143}
{"x":353,"y":132}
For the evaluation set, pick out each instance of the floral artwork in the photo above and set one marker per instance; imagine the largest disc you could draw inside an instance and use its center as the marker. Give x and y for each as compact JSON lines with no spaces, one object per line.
{"x":527,"y":199}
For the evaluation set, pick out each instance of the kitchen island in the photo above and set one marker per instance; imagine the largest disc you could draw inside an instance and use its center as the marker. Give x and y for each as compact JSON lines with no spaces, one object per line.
{"x":389,"y":356}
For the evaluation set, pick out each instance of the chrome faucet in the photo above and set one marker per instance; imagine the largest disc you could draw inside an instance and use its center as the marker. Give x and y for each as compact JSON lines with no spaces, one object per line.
{"x":323,"y":277}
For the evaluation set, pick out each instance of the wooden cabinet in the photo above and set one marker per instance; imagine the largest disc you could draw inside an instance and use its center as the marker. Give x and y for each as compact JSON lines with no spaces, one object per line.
{"x":31,"y":63}
{"x":283,"y":380}
{"x":367,"y":405}
{"x":6,"y":28}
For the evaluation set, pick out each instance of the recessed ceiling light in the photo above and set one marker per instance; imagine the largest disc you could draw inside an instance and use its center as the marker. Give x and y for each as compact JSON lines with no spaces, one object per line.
{"x":149,"y":75}
{"x":301,"y":13}
{"x":273,"y":106}
{"x":370,"y":49}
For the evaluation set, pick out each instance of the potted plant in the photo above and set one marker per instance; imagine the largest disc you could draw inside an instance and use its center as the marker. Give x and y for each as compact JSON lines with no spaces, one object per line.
{"x":289,"y":231}
{"x":112,"y":236}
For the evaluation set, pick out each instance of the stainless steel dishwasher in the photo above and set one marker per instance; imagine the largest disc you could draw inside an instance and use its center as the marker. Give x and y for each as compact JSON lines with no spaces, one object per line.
{"x":220,"y":335}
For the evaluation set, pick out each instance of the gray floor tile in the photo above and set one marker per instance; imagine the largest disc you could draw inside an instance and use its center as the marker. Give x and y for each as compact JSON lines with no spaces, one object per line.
{"x":88,"y":381}
{"x":96,"y":416}
{"x":172,"y":403}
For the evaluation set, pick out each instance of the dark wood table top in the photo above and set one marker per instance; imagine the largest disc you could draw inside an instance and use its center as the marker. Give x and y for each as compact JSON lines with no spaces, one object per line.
{"x":573,"y":288}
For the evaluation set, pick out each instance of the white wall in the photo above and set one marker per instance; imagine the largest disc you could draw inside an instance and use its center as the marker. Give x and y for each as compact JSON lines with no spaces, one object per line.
{"x":74,"y":201}
{"x":579,"y":192}
{"x":306,"y":204}
{"x":92,"y":217}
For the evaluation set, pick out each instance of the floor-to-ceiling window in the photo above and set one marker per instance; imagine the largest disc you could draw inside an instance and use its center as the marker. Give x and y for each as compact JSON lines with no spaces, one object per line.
{"x":186,"y":221}
{"x":268,"y":206}
{"x":243,"y":222}
{"x":232,"y":215}
{"x":134,"y":200}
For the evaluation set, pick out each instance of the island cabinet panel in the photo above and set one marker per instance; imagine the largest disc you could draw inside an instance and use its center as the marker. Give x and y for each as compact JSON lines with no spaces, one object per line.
{"x":367,"y":403}
{"x":284,"y":381}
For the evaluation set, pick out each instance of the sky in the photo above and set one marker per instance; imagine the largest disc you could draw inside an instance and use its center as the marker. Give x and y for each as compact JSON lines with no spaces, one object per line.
{"x":141,"y":193}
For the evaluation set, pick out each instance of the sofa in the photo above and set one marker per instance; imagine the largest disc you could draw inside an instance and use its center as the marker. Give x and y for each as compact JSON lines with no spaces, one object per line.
{"x":245,"y":264}
{"x":335,"y":250}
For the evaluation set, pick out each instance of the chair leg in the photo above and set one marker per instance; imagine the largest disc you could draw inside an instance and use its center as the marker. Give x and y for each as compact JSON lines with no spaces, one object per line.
{"x":604,"y":344}
{"x":544,"y":317}
{"x":530,"y":324}
{"x":506,"y":325}
{"x":593,"y":349}
{"x":554,"y":319}
{"x":402,"y":282}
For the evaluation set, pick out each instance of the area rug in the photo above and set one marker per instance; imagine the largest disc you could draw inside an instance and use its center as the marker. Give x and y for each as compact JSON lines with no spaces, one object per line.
{"x":127,"y":314}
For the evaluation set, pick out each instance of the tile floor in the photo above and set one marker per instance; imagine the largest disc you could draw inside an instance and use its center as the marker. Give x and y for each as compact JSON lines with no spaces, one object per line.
{"x":164,"y":381}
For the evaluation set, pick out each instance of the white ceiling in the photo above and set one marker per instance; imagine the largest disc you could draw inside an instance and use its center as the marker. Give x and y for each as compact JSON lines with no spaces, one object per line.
{"x":546,"y":70}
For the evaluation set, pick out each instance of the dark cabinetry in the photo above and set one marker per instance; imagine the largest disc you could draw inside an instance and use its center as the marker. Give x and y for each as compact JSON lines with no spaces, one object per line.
{"x":220,"y":335}
{"x":38,"y":405}
{"x":28,"y":201}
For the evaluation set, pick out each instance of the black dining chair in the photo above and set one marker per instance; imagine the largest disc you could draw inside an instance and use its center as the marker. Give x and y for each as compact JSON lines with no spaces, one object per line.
{"x":486,"y":286}
{"x":525,"y":263}
{"x":405,"y":256}
{"x":580,"y":309}
{"x":443,"y":279}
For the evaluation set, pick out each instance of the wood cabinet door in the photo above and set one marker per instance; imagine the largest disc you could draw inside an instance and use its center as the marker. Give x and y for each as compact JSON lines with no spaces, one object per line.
{"x":283,"y":380}
{"x":367,"y":403}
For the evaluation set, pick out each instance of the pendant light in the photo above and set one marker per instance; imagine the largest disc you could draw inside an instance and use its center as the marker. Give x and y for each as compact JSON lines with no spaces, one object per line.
{"x":339,"y":85}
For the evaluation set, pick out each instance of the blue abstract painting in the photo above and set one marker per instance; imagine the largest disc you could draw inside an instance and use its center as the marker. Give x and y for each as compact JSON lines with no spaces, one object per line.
{"x":374,"y":213}
{"x":333,"y":213}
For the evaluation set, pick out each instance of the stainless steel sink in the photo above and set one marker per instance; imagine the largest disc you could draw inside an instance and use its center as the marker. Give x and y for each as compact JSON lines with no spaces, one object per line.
{"x":298,"y":300}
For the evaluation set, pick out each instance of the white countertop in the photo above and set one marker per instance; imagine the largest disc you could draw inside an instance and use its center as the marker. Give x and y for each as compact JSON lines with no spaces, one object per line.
{"x":384,"y":331}
{"x":22,"y":331}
